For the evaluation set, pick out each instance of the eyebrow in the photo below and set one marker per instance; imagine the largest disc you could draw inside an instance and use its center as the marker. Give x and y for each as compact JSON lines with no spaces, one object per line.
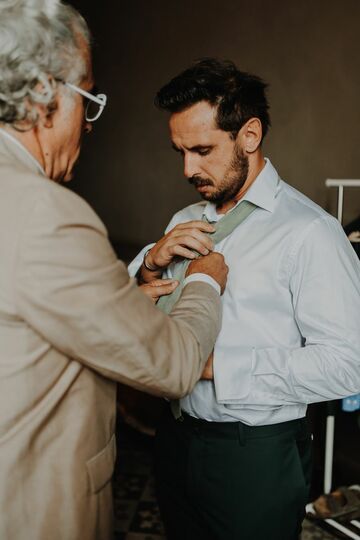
{"x":174,"y":147}
{"x":194,"y":148}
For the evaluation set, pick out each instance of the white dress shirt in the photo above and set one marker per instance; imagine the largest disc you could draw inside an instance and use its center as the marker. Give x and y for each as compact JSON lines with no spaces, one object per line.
{"x":291,"y":310}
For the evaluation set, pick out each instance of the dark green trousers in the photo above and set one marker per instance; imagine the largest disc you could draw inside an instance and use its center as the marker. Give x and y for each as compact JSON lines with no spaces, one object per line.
{"x":229,"y":481}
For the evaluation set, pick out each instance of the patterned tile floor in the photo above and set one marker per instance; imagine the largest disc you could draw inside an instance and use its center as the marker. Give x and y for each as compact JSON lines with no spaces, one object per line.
{"x":136,"y":512}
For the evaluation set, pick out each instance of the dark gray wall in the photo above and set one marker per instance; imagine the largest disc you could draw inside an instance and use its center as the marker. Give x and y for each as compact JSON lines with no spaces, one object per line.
{"x":309,"y":52}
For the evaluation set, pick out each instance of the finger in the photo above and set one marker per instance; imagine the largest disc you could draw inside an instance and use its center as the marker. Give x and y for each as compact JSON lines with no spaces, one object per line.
{"x":181,"y":251}
{"x":200,"y":243}
{"x":179,"y":234}
{"x":201,"y":236}
{"x":162,"y":290}
{"x":196,"y":224}
{"x":160,"y":282}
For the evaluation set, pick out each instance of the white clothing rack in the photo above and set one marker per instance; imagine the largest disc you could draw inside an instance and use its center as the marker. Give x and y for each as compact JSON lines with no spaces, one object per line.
{"x":330,"y":182}
{"x":330,"y":420}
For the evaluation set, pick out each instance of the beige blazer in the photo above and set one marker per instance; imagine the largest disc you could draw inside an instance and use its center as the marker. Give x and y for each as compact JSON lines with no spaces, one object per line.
{"x":72,"y":323}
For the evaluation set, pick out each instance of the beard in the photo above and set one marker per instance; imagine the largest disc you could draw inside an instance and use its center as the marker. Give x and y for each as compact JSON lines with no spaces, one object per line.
{"x":234,"y":179}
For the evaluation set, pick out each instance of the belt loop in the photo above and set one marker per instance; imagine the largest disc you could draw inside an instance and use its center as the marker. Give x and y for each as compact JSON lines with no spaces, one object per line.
{"x":241,"y":434}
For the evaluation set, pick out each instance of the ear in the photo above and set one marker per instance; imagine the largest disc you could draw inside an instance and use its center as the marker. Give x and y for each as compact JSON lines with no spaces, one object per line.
{"x":46,"y":113}
{"x":251,"y":135}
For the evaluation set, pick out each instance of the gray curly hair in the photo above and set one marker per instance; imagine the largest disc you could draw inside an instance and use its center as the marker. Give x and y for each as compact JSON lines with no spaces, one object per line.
{"x":39,"y":45}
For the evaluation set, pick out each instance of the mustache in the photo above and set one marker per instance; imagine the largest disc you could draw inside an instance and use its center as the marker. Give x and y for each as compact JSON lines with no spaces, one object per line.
{"x":197,"y":181}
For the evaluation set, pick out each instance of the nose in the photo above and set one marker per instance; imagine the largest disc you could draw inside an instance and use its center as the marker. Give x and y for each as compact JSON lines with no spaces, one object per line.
{"x":191,"y":167}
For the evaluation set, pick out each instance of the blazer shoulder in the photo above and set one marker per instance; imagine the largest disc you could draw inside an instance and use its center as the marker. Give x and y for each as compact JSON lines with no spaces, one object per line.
{"x":58,"y":205}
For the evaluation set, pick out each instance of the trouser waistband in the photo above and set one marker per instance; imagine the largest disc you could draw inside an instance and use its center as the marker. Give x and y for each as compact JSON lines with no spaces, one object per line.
{"x":231,"y":430}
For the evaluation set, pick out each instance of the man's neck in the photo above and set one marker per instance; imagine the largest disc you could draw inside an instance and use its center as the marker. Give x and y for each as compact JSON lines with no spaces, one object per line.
{"x":256,"y":165}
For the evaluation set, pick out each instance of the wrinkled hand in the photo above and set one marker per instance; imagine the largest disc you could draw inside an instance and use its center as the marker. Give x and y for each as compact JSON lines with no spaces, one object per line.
{"x":181,"y":241}
{"x":158,"y":287}
{"x":214,"y":265}
{"x":208,"y":373}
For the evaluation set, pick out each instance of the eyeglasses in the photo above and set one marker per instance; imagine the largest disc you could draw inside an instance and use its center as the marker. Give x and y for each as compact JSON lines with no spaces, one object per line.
{"x":95,"y":103}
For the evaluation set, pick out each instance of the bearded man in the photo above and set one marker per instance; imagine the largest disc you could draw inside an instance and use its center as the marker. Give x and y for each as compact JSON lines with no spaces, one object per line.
{"x":233,"y":457}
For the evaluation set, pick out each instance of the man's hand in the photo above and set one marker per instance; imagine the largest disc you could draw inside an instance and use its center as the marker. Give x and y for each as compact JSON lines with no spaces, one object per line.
{"x":159,"y":287}
{"x":208,"y":373}
{"x":181,"y":241}
{"x":213,"y":265}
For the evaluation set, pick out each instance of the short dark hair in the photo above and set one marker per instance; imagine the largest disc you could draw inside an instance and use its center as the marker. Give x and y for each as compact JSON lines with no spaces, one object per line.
{"x":238,"y":95}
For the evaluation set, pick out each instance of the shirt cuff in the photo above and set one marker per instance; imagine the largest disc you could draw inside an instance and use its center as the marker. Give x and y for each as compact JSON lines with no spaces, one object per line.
{"x":232,"y":373}
{"x":136,"y":263}
{"x":205,"y":278}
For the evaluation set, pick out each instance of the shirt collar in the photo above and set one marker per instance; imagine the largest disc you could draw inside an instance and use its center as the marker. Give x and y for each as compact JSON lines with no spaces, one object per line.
{"x":24,"y":154}
{"x":262,"y":193}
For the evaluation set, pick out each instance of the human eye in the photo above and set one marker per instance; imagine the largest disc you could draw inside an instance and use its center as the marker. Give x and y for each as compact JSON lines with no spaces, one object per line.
{"x":205,"y":151}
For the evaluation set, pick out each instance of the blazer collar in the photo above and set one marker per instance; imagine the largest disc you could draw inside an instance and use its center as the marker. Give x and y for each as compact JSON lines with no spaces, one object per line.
{"x":10,"y":146}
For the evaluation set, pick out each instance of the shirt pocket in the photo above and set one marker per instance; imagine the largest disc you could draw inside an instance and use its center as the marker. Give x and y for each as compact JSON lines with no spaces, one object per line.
{"x":100,"y":467}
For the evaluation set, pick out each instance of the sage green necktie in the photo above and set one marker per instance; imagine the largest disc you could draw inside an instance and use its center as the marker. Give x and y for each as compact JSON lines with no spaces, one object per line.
{"x":223,"y":228}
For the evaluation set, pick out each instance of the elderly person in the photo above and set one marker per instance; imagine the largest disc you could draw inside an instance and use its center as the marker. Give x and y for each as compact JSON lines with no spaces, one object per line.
{"x":71,"y":320}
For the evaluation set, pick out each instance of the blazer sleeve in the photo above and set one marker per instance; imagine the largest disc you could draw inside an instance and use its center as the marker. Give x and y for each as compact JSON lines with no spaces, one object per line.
{"x":72,"y":290}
